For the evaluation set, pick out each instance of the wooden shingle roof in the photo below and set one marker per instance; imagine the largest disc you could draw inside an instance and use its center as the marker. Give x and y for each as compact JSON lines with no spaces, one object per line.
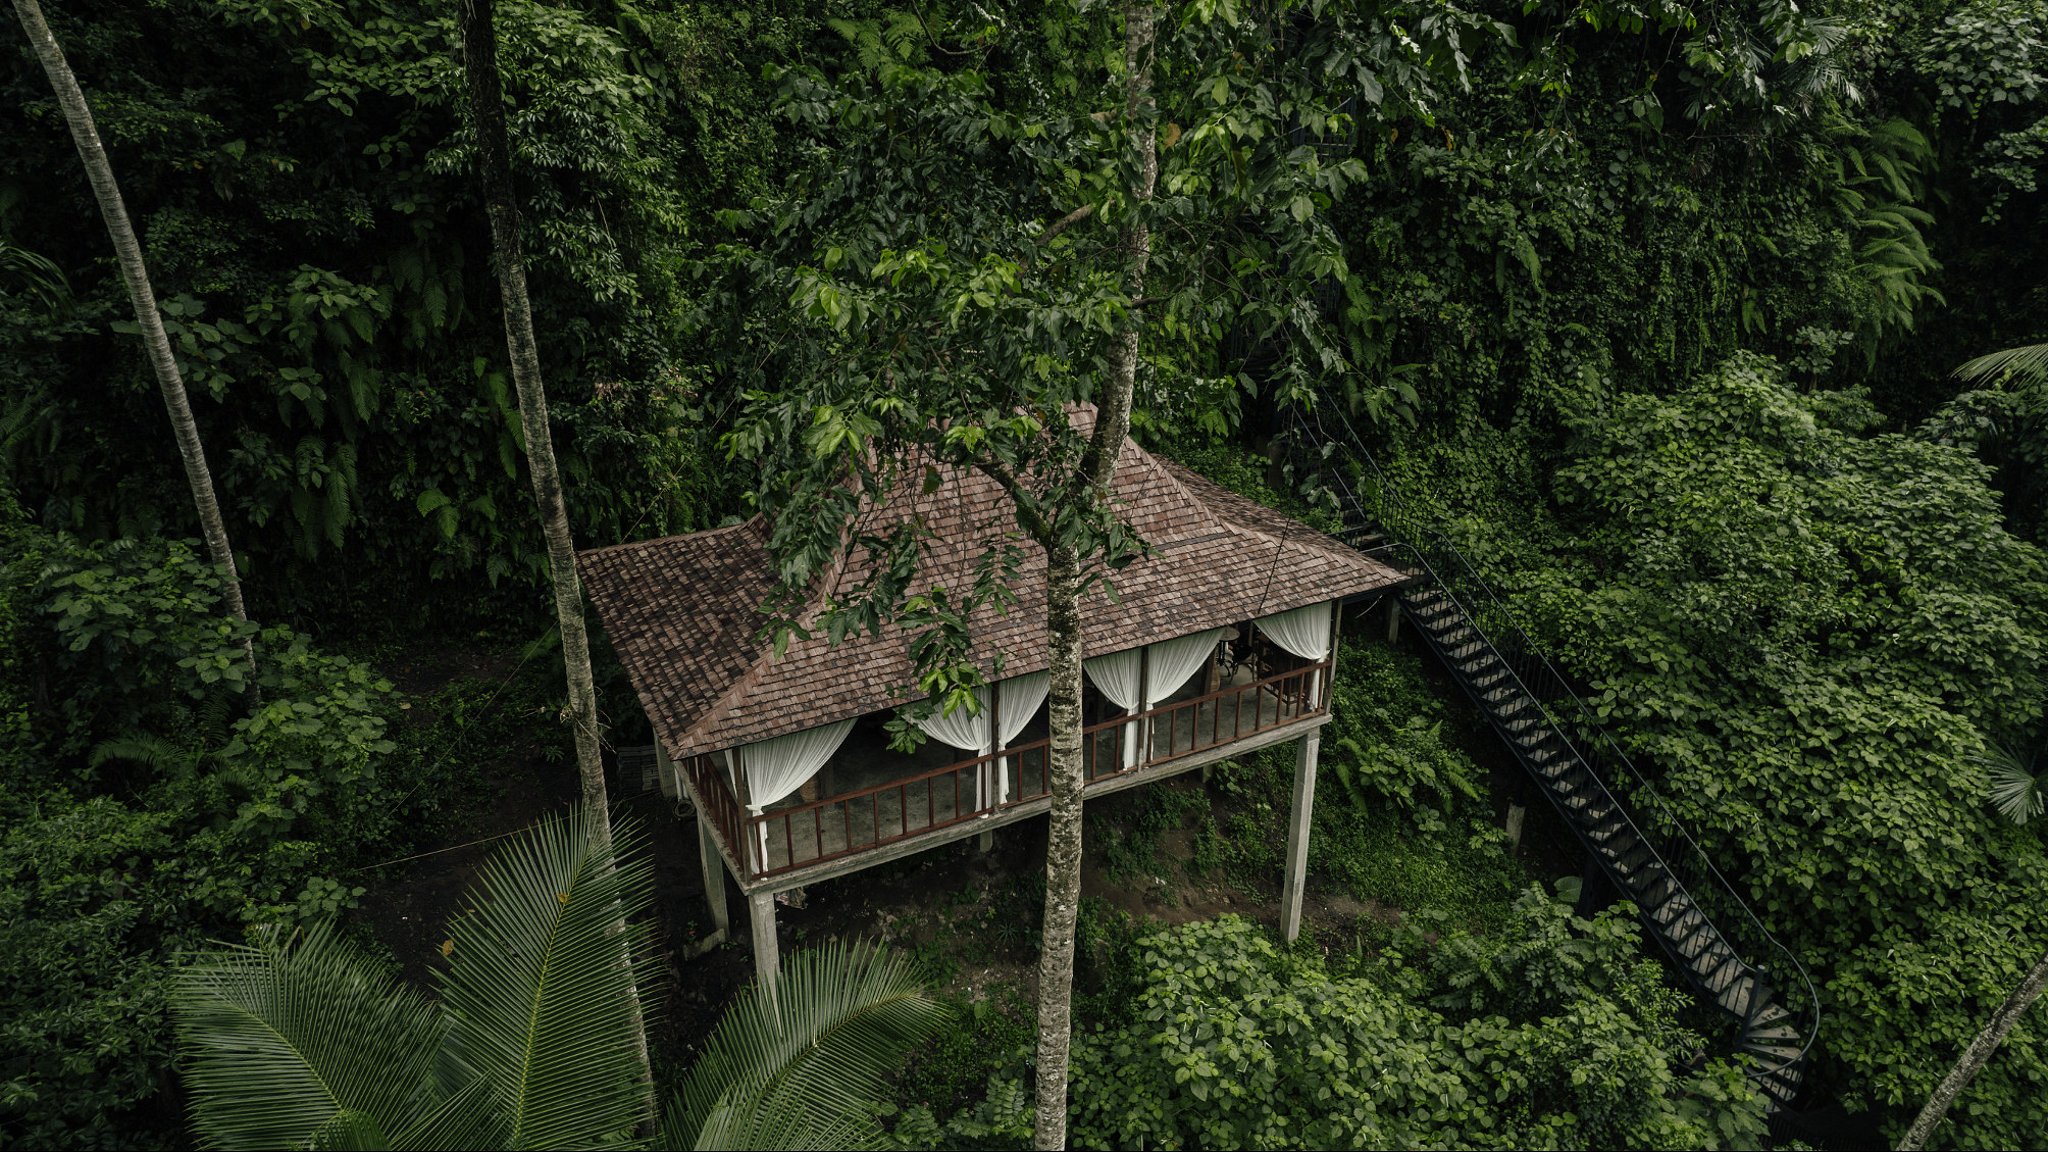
{"x":683,"y":612}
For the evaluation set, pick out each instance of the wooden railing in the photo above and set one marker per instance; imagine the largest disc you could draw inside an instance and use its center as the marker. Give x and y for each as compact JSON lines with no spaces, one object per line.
{"x":822,"y":830}
{"x":715,"y":801}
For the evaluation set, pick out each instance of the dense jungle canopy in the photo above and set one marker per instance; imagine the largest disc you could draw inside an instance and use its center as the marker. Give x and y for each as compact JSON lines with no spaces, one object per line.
{"x":1653,"y":308}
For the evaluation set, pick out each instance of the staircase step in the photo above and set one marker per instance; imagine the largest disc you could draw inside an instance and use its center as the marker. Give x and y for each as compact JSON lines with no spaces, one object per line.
{"x":1658,"y":889}
{"x":1726,"y":969}
{"x":1770,"y":1054}
{"x":1775,"y":1034}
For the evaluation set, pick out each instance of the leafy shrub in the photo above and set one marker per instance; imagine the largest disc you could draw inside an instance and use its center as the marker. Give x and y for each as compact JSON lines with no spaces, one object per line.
{"x":1231,"y":1043}
{"x":1811,"y":634}
{"x":148,"y":809}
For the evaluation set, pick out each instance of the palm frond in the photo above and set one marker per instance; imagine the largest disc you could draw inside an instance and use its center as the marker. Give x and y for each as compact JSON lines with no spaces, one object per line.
{"x":2027,"y":363}
{"x":541,"y":989}
{"x":782,"y":1123}
{"x":809,"y":1061}
{"x":295,"y":1044}
{"x":2017,"y":791}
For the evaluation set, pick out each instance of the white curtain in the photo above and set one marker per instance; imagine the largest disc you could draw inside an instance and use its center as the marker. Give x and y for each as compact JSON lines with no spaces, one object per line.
{"x":1304,"y":632}
{"x":1116,"y":676}
{"x":1017,"y":701}
{"x":1169,"y":663}
{"x":777,"y":767}
{"x":967,"y":731}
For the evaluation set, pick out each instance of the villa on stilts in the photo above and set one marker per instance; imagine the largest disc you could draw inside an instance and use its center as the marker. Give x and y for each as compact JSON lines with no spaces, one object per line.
{"x":1219,"y":639}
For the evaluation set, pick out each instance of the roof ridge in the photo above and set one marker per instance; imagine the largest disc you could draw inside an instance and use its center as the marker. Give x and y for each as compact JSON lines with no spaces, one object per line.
{"x":699,"y":534}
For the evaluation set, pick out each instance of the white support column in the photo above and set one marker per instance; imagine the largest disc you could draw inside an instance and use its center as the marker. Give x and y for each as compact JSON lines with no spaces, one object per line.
{"x":1393,"y":617}
{"x":1299,"y":815}
{"x":767,"y":950}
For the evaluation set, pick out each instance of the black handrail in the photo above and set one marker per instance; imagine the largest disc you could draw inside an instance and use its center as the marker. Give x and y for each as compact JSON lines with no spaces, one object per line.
{"x":1445,"y":567}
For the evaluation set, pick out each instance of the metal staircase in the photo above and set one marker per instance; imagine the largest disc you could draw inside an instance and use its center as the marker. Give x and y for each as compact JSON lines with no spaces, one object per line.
{"x":1715,"y":943}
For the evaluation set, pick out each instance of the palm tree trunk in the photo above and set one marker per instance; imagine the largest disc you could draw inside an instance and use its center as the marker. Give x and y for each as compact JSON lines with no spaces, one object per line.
{"x":480,"y":64}
{"x":135,"y":274}
{"x":1063,"y":620}
{"x":1976,"y":1055}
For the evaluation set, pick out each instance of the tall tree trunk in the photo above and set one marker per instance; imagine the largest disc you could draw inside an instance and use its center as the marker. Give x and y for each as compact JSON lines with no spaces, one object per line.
{"x":1976,"y":1055}
{"x":1062,"y":844}
{"x":487,"y":104}
{"x":494,"y":162}
{"x":1064,"y":578}
{"x":135,"y":274}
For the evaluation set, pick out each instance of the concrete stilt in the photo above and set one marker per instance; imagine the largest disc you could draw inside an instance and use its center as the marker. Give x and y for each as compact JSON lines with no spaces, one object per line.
{"x":1300,"y":812}
{"x":767,"y":950}
{"x":1393,"y":619}
{"x":1516,"y":813}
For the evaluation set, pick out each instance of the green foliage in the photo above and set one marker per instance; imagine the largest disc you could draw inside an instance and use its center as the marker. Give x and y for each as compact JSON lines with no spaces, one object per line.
{"x":299,"y":1040}
{"x":1003,"y":1118}
{"x":148,"y":809}
{"x":1387,"y":743}
{"x":311,"y":232}
{"x":1231,"y":1043}
{"x":805,"y":1067}
{"x":1812,"y":634}
{"x":296,"y":1042}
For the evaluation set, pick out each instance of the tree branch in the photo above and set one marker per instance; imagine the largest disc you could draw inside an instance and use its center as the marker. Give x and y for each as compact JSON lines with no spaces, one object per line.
{"x":1065,"y":222}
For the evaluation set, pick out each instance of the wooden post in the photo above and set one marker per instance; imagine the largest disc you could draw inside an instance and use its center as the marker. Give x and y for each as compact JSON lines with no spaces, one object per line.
{"x":1300,"y":812}
{"x":713,"y":866}
{"x":665,"y":772}
{"x":1330,"y":674}
{"x":1596,"y":891}
{"x":767,"y":951}
{"x":1143,"y":752}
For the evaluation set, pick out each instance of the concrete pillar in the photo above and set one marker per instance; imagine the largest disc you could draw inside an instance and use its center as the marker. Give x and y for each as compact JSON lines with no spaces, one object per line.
{"x":1299,"y":814}
{"x":713,"y":866}
{"x":985,"y":842}
{"x":1516,"y":813}
{"x":1393,"y":619}
{"x":767,"y":950}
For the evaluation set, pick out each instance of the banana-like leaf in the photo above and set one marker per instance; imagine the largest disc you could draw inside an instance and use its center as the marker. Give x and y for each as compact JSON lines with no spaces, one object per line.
{"x":302,"y":1043}
{"x":2028,"y":363}
{"x":803,"y":1068}
{"x":542,"y":989}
